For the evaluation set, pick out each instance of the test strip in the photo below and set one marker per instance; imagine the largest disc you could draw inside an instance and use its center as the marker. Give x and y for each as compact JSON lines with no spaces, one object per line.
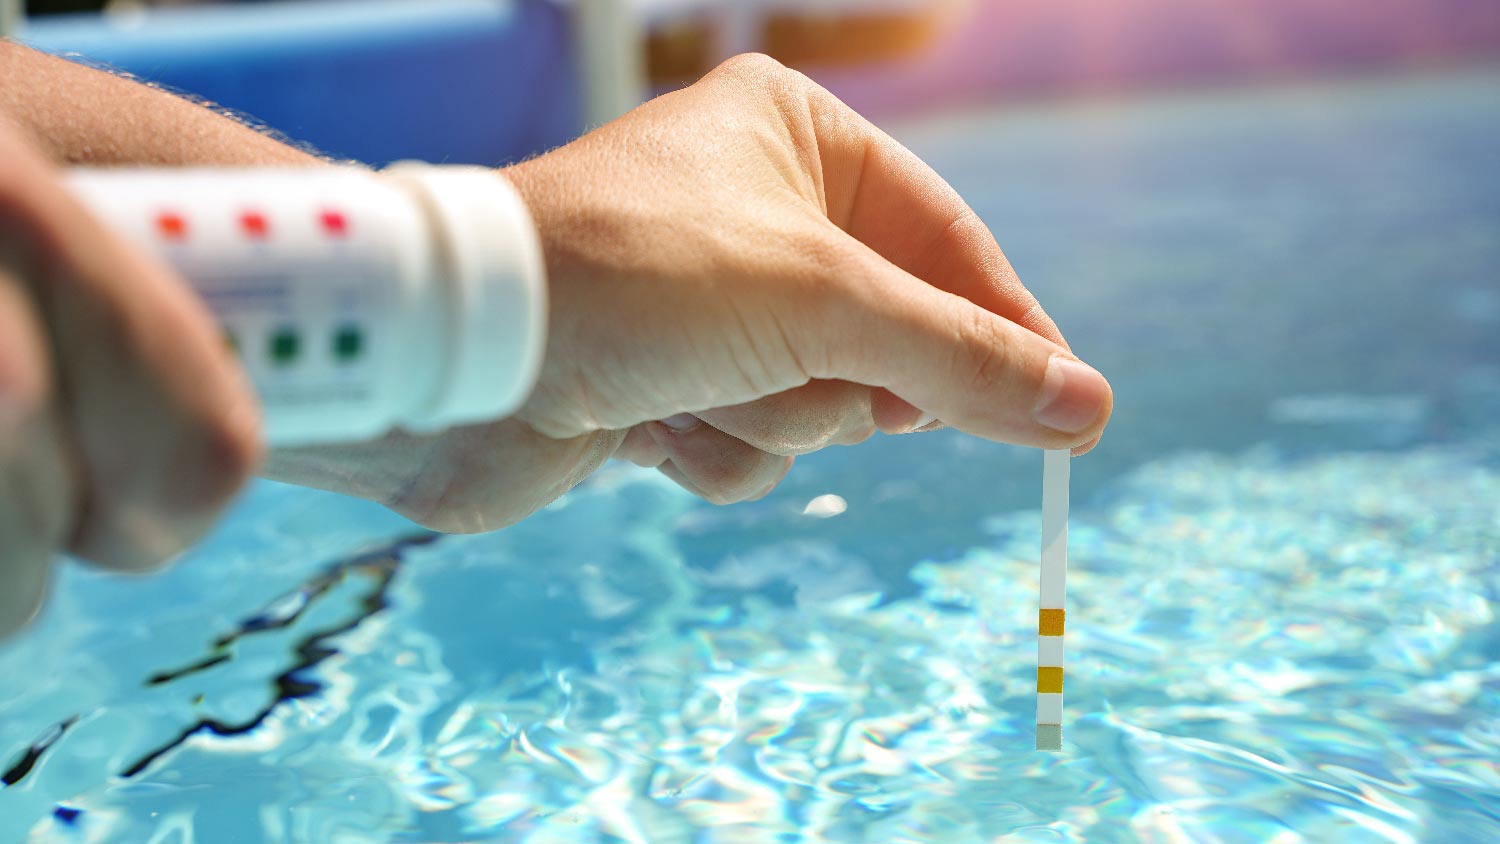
{"x":1051,"y":620}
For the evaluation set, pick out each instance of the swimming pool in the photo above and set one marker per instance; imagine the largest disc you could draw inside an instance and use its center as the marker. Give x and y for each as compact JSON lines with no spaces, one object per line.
{"x":1285,"y":561}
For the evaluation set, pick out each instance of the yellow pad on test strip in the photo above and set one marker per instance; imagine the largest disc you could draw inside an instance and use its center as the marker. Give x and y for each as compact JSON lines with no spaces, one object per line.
{"x":1051,"y":617}
{"x":1051,"y":622}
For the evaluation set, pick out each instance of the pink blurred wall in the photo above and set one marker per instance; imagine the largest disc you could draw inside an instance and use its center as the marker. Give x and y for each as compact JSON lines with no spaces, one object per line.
{"x":1029,"y":48}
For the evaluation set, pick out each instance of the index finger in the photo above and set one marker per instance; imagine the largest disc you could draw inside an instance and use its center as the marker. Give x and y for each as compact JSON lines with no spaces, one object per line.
{"x":879,"y":326}
{"x":886,"y":197}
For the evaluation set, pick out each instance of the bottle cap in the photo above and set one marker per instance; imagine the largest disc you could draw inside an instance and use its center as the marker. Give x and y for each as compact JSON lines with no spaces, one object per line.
{"x":491,"y":261}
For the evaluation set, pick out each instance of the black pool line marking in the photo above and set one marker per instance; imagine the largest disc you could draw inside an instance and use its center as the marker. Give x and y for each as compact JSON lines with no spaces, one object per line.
{"x":311,"y":650}
{"x":33,"y":754}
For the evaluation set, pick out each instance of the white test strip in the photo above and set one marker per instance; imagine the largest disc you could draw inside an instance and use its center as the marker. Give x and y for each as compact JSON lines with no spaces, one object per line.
{"x":1052,"y":614}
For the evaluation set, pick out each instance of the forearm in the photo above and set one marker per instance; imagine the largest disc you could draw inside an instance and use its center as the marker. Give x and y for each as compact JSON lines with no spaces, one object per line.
{"x":81,"y":115}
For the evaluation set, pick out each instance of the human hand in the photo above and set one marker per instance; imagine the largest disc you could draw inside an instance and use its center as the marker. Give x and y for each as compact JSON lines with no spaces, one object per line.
{"x":751,"y":234}
{"x":757,"y":265}
{"x":124,"y":423}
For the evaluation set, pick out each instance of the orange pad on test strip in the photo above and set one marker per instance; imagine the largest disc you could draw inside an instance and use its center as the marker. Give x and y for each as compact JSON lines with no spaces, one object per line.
{"x":1050,"y":622}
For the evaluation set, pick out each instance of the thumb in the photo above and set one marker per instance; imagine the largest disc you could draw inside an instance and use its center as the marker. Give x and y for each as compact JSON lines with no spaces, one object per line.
{"x":973,"y":369}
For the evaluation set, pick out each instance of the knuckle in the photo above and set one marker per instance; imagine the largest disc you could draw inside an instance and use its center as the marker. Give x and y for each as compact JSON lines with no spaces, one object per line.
{"x":826,"y":301}
{"x":983,"y":356}
{"x":824,"y":249}
{"x":765,"y":76}
{"x":752,"y":65}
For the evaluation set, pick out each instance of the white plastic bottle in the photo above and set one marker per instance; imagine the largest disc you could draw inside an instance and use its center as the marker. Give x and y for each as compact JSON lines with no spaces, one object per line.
{"x":357,"y":301}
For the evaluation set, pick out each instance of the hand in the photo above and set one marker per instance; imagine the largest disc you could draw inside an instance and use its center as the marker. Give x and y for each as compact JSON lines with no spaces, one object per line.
{"x":754,"y":263}
{"x":745,"y":236}
{"x":124,"y":423}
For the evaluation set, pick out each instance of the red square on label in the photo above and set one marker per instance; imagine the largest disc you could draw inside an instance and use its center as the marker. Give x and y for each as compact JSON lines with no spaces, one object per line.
{"x":335,"y":224}
{"x":255,"y":225}
{"x":171,"y":226}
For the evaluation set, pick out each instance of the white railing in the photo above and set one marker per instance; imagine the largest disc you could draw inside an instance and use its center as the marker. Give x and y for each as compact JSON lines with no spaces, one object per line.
{"x":611,"y":38}
{"x":611,"y":42}
{"x":12,"y":13}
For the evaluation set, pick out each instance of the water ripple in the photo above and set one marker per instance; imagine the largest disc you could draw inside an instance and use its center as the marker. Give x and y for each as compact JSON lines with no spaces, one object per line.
{"x":1255,"y":657}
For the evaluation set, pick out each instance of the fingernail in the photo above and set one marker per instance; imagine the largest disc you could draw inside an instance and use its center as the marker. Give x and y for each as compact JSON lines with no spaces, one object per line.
{"x":923,"y":421}
{"x":1073,"y":395}
{"x":682,"y":421}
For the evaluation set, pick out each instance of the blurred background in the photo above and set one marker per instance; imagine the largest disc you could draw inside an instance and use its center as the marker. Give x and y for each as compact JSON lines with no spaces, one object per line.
{"x":488,"y":81}
{"x":1274,"y":225}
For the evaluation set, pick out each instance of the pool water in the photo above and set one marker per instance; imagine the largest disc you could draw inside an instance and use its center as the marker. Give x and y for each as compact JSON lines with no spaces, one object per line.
{"x":1285,"y":561}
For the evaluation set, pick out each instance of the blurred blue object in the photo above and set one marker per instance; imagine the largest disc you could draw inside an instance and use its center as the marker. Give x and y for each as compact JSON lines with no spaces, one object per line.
{"x":462,"y":81}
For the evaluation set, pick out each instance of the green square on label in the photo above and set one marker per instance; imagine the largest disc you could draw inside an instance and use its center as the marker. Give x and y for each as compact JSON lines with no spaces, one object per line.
{"x":348,"y":342}
{"x":285,"y":344}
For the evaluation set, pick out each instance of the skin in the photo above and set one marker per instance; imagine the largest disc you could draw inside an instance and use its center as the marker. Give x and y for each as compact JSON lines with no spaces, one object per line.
{"x":740,"y":272}
{"x":124,"y":425}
